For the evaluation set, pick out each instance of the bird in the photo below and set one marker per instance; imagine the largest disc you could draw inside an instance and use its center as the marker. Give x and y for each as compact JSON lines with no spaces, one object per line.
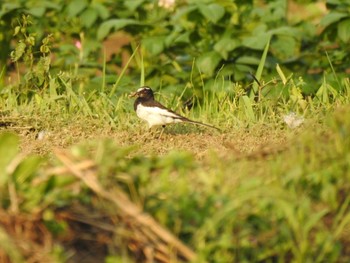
{"x":156,"y":114}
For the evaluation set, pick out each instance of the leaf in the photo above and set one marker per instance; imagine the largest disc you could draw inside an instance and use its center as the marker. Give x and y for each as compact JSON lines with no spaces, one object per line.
{"x":115,"y":24}
{"x":18,"y":52}
{"x":240,"y":71}
{"x":102,"y":10}
{"x":208,"y":62}
{"x":75,"y":7}
{"x":17,"y":29}
{"x":325,"y":91}
{"x":248,"y":60}
{"x":212,"y":12}
{"x":183,"y":38}
{"x":7,"y":8}
{"x":8,"y":150}
{"x":314,"y":219}
{"x":43,"y":65}
{"x":344,"y":30}
{"x":285,"y":47}
{"x":154,"y":45}
{"x":37,"y":11}
{"x":132,"y":5}
{"x":285,"y":30}
{"x":332,"y":18}
{"x":342,"y":227}
{"x":335,"y":2}
{"x":26,"y":169}
{"x":88,"y":17}
{"x":9,"y":248}
{"x":257,"y":42}
{"x":225,"y":45}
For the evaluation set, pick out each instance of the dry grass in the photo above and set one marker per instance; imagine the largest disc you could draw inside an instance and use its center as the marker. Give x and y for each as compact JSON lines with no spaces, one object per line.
{"x":199,"y":141}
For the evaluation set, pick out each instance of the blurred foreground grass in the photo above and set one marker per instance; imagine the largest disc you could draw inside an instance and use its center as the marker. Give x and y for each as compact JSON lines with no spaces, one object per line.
{"x":100,"y":202}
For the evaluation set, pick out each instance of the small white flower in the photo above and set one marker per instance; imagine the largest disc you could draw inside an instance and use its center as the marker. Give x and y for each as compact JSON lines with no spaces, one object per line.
{"x":168,"y":4}
{"x":292,"y":120}
{"x":42,"y":135}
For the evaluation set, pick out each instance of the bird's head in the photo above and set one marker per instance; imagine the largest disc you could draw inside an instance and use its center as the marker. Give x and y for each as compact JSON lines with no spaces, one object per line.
{"x":143,"y":92}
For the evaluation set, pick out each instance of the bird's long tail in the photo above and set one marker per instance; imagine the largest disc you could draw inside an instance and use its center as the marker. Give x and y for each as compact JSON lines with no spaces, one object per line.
{"x":201,"y":123}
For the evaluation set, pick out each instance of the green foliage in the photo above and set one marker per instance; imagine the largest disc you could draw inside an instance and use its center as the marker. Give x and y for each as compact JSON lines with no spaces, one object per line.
{"x":8,"y":151}
{"x":67,"y":92}
{"x":338,"y":18}
{"x":8,"y":246}
{"x":37,"y":75}
{"x":263,"y":222}
{"x":271,"y":211}
{"x":225,"y":37}
{"x":33,"y":192}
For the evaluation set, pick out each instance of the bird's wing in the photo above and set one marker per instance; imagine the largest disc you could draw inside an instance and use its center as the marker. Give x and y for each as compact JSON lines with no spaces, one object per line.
{"x":164,"y":111}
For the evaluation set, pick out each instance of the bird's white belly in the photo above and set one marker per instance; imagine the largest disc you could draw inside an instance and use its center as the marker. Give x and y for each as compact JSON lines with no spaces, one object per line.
{"x":156,"y":116}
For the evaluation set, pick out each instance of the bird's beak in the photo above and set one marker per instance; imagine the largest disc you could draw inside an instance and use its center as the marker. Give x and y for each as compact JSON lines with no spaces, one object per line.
{"x":133,"y":94}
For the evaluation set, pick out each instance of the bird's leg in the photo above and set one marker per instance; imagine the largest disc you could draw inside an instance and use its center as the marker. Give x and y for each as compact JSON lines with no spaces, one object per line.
{"x":152,"y":132}
{"x":140,"y":132}
{"x":161,"y":133}
{"x":145,"y":133}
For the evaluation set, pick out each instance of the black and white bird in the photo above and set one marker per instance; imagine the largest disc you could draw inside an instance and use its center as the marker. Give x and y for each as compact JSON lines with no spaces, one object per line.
{"x":154,"y":113}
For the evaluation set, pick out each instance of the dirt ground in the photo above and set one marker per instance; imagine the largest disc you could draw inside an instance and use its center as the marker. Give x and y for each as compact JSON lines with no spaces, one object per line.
{"x":201,"y":142}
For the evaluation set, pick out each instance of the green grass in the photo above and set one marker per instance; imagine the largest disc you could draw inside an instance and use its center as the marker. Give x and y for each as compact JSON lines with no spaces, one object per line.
{"x":257,"y":192}
{"x":284,"y":202}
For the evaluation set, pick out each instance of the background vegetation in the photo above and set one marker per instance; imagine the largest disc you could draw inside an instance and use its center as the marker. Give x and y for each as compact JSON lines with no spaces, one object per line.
{"x":272,"y":187}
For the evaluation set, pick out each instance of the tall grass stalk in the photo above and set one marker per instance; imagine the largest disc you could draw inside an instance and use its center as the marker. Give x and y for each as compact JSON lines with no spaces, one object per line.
{"x":115,"y":85}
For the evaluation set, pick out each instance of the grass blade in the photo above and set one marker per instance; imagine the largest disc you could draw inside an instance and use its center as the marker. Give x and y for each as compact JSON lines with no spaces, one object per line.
{"x":104,"y":71}
{"x":142,"y":77}
{"x":123,"y":72}
{"x":8,"y":246}
{"x":260,"y":69}
{"x":281,"y":74}
{"x":248,"y":108}
{"x":333,"y":71}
